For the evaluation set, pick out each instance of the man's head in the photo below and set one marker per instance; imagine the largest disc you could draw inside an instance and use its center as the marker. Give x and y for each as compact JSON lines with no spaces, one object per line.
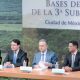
{"x":43,"y":45}
{"x":73,"y":46}
{"x":15,"y":44}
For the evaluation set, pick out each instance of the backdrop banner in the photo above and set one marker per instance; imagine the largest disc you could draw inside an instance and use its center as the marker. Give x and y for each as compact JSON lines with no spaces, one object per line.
{"x":51,"y":14}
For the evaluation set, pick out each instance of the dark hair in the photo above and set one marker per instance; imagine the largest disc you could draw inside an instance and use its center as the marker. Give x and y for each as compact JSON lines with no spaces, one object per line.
{"x":16,"y":41}
{"x":75,"y":43}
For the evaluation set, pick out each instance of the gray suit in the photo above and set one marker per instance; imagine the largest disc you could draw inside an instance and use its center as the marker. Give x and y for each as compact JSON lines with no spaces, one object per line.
{"x":51,"y":57}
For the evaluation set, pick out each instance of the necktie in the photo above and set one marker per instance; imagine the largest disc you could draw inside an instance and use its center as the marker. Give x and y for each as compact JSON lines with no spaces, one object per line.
{"x":73,"y":60}
{"x":42,"y":55}
{"x":14,"y":58}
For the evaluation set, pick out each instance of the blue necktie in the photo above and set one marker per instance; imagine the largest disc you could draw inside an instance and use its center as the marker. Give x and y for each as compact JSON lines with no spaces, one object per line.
{"x":42,"y":57}
{"x":14,"y":58}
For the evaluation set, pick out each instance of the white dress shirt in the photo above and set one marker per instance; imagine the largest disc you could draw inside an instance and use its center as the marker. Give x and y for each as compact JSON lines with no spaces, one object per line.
{"x":43,"y":55}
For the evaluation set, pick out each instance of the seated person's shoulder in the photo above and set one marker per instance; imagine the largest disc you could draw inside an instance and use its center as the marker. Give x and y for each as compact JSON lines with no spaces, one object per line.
{"x":67,"y":55}
{"x":9,"y":52}
{"x":51,"y":52}
{"x":78,"y":54}
{"x":22,"y":51}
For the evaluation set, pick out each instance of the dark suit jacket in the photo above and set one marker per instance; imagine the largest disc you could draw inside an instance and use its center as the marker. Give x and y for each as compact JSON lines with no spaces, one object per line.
{"x":67,"y":61}
{"x":51,"y":57}
{"x":20,"y":58}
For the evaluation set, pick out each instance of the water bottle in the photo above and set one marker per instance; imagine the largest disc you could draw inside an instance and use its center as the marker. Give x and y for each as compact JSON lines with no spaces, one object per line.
{"x":24,"y":63}
{"x":57,"y":65}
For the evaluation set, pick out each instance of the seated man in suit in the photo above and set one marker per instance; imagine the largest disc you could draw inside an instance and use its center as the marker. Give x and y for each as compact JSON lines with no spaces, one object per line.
{"x":72,"y":60}
{"x":16,"y":55}
{"x":44,"y":56}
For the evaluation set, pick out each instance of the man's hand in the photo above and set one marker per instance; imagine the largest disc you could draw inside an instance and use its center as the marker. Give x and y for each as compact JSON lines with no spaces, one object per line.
{"x":67,"y":69}
{"x":7,"y":63}
{"x":47,"y":64}
{"x":43,"y":64}
{"x":36,"y":66}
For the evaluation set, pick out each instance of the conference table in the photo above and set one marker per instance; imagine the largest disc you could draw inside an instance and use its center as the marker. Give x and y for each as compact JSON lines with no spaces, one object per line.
{"x":39,"y":75}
